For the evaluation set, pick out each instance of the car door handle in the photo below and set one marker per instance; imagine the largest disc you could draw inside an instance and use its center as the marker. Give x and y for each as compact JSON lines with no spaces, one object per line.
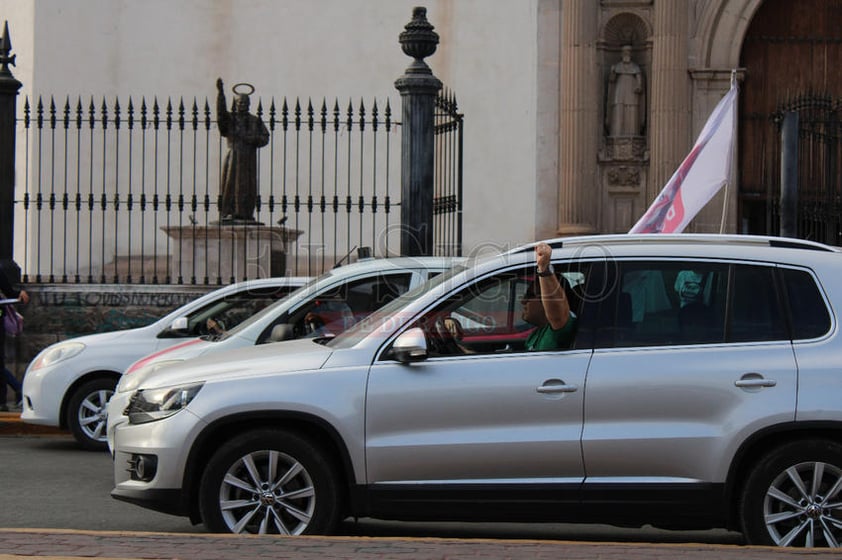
{"x":752,"y":380}
{"x":553,"y":386}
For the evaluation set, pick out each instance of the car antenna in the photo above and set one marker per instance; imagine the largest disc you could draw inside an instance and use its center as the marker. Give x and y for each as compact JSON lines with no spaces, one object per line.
{"x":338,"y":263}
{"x":363,"y":253}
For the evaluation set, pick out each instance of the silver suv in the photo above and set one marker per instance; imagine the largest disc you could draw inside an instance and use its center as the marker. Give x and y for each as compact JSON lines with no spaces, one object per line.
{"x":701,"y":390}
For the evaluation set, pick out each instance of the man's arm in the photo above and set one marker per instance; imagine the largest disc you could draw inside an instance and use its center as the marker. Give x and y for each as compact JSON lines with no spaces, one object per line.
{"x":556,"y":307}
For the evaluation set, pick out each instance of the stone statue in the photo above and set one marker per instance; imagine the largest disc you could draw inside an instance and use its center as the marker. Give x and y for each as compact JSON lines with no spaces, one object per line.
{"x":625,"y":97}
{"x":245,"y":133}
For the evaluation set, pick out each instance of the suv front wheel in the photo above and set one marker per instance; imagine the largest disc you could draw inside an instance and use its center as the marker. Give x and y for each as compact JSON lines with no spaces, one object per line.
{"x":794,"y":496}
{"x":269,"y":482}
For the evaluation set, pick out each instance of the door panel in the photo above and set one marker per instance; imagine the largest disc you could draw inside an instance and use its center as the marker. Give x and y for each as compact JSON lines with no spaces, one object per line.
{"x":699,"y":360}
{"x":673,"y":414}
{"x":477,"y":419}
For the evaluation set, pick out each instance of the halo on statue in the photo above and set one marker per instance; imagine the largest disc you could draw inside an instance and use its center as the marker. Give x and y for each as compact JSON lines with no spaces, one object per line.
{"x":243,"y":88}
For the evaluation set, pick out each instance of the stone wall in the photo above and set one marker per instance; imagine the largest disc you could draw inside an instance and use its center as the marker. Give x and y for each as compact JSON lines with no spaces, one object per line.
{"x":58,"y":312}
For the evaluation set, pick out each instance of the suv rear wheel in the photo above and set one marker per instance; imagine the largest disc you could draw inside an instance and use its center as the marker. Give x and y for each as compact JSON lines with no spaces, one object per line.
{"x":269,"y":482}
{"x":793,"y":497}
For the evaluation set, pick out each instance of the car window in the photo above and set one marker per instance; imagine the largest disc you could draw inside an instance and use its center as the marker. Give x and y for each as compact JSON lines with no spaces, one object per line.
{"x":231,"y":310}
{"x":487,"y":316}
{"x":375,"y":320}
{"x":692,"y":302}
{"x":335,"y":310}
{"x":660,"y":303}
{"x":756,"y":313}
{"x":807,"y":310}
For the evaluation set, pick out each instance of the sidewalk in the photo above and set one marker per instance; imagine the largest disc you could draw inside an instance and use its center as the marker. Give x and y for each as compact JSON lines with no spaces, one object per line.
{"x":29,"y":543}
{"x":11,"y":425}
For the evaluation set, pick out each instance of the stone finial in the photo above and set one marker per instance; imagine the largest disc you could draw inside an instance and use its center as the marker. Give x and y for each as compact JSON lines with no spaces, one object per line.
{"x":418,"y":39}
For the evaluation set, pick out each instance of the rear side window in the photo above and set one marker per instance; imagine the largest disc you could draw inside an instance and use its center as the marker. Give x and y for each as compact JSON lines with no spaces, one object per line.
{"x":810,"y":318}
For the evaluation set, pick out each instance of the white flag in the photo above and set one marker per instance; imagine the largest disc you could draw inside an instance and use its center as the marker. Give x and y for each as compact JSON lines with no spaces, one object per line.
{"x":699,"y":177}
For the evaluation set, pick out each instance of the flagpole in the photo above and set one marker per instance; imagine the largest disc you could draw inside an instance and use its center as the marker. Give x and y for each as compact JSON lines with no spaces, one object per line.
{"x":731,"y":167}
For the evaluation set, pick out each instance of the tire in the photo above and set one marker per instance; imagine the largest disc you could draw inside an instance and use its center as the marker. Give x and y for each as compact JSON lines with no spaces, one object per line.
{"x":300,"y":497}
{"x":87,"y":413}
{"x":793,"y":497}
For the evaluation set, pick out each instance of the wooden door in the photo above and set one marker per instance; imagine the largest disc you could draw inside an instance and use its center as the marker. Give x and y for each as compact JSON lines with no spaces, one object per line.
{"x":792,"y":54}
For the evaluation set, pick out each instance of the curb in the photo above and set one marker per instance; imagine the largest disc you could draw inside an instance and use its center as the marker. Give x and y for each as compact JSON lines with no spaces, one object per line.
{"x":12,"y":425}
{"x":69,"y":544}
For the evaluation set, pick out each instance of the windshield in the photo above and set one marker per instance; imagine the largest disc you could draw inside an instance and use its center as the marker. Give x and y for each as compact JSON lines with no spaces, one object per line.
{"x":360,"y":330}
{"x":272,"y":309}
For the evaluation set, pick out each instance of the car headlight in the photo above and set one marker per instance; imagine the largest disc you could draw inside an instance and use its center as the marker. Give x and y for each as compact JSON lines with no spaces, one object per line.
{"x":133,"y":377}
{"x":56,"y":353}
{"x":150,"y":405}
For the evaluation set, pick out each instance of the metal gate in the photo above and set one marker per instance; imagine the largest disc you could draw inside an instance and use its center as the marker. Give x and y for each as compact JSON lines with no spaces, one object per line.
{"x":819,"y":184}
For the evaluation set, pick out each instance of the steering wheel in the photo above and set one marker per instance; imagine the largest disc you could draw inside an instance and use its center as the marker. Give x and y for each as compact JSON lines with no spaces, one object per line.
{"x":449,"y":333}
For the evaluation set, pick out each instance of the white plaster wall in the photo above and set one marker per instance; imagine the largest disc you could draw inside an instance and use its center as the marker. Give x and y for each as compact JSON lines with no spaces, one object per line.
{"x":308,"y":48}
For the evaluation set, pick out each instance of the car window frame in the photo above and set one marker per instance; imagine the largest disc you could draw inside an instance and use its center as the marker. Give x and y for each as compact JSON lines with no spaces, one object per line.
{"x":296,"y":312}
{"x":603,"y":326}
{"x":583,"y":339}
{"x":822,"y":295}
{"x":211,"y":308}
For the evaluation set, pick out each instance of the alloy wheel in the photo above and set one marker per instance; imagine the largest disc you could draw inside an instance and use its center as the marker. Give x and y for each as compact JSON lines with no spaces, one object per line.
{"x":267,"y":491}
{"x":93,"y":415}
{"x":803,"y":507}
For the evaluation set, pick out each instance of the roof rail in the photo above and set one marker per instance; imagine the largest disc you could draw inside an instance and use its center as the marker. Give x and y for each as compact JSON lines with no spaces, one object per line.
{"x":659,"y":238}
{"x":799,"y":244}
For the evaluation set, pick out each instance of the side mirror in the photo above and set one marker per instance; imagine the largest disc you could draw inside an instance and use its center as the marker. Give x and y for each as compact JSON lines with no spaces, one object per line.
{"x":180,"y":325}
{"x":410,"y":346}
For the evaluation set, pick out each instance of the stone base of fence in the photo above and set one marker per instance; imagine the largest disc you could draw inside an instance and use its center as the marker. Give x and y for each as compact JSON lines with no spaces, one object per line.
{"x":230,"y":251}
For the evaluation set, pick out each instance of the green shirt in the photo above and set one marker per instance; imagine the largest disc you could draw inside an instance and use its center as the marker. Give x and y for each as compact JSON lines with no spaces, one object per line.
{"x":547,"y":338}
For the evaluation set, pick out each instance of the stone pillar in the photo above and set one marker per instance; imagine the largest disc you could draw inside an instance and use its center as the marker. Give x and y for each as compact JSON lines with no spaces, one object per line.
{"x":418,"y":88}
{"x":9,"y":87}
{"x":579,"y":125}
{"x":669,"y":134}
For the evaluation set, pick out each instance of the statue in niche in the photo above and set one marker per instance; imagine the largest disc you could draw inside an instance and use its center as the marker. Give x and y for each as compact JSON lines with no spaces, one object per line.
{"x":625,"y":111}
{"x":245,"y":133}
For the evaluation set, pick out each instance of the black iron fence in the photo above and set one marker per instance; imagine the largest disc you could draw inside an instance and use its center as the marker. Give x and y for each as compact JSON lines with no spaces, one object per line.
{"x":121,"y":191}
{"x":818,"y":211}
{"x":447,"y":200}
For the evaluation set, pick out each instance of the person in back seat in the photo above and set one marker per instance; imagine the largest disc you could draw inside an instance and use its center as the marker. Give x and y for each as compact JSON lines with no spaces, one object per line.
{"x":688,"y":285}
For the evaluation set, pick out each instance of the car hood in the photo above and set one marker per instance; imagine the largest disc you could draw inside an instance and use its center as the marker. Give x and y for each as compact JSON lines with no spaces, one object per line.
{"x":104,"y":338}
{"x":280,"y":357}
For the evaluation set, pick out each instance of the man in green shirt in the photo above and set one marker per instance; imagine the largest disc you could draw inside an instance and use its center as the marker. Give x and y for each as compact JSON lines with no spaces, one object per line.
{"x":545,"y":305}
